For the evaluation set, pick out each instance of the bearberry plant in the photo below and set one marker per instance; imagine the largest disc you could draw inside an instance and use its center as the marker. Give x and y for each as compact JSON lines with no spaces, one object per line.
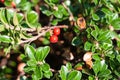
{"x":59,"y":39}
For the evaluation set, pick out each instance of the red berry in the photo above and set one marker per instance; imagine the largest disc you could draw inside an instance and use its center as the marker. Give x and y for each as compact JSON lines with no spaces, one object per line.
{"x":56,"y":31}
{"x":53,"y":39}
{"x":2,"y":1}
{"x":13,"y":4}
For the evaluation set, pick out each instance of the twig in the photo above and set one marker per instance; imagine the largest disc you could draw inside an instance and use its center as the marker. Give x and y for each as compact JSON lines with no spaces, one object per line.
{"x":71,"y":15}
{"x":53,"y":70}
{"x":18,"y":28}
{"x":34,"y":29}
{"x":51,"y":18}
{"x":42,"y":33}
{"x":34,"y":38}
{"x":52,"y":27}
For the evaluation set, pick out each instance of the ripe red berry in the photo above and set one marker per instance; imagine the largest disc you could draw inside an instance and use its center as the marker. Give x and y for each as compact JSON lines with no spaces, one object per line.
{"x":13,"y":4}
{"x":2,"y":1}
{"x":53,"y":39}
{"x":56,"y":31}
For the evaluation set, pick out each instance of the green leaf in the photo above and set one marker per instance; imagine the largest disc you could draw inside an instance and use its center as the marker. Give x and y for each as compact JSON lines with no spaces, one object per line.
{"x":38,"y":72}
{"x":116,"y":24}
{"x":54,"y":22}
{"x":15,"y":19}
{"x":34,"y":77}
{"x":104,"y":73}
{"x":90,"y":78}
{"x":10,"y":14}
{"x":23,"y":6}
{"x":3,"y":16}
{"x":63,"y":10}
{"x":30,"y":68}
{"x":7,"y":50}
{"x":106,"y":46}
{"x":2,"y":28}
{"x":32,"y":62}
{"x":96,"y":57}
{"x":117,"y":73}
{"x":103,"y":66}
{"x":96,"y":2}
{"x":42,"y":52}
{"x":76,"y":41}
{"x":58,"y":14}
{"x":24,"y":35}
{"x":118,"y":58}
{"x":45,"y":67}
{"x":63,"y":73}
{"x":44,"y":8}
{"x":96,"y":67}
{"x":45,"y":41}
{"x":47,"y":12}
{"x":95,"y":17}
{"x":104,"y":35}
{"x":5,"y":38}
{"x":30,"y":52}
{"x":48,"y":74}
{"x":94,"y":33}
{"x":20,"y":17}
{"x":54,"y":1}
{"x":35,"y":1}
{"x":32,"y":19}
{"x":69,"y":66}
{"x":74,"y":75}
{"x":80,"y":1}
{"x":107,"y":11}
{"x":87,"y":46}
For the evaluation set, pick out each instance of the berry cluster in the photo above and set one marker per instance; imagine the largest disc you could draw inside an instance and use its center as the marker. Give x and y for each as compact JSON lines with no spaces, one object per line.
{"x":54,"y":37}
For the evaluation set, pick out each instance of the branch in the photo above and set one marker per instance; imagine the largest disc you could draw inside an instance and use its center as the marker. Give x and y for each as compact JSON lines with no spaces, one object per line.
{"x":42,"y":33}
{"x":35,"y":29}
{"x":34,"y":38}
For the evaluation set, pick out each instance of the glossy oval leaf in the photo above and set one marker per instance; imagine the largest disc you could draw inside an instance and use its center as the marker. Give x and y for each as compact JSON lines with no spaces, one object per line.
{"x":116,"y":24}
{"x":63,"y":73}
{"x":95,"y":17}
{"x":76,"y":41}
{"x":87,"y":46}
{"x":20,"y":17}
{"x":48,"y":74}
{"x":118,"y":58}
{"x":74,"y":75}
{"x":104,"y":35}
{"x":42,"y":52}
{"x":30,"y":51}
{"x":58,"y":14}
{"x":45,"y":67}
{"x":15,"y":19}
{"x":3,"y":16}
{"x":5,"y":38}
{"x":38,"y":72}
{"x":32,"y":18}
